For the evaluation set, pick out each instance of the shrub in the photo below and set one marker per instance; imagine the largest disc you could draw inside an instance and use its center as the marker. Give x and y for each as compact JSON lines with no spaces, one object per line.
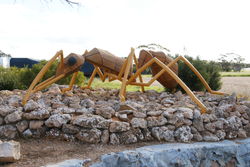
{"x":209,"y":71}
{"x":28,"y":75}
{"x":21,"y":78}
{"x":9,"y":78}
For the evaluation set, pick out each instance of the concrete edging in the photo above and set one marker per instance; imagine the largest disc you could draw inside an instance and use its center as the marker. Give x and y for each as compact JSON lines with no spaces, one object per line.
{"x":206,"y":154}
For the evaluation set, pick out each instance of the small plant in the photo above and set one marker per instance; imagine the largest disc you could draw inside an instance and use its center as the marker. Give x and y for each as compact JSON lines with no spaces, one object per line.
{"x":209,"y":70}
{"x":9,"y":78}
{"x":21,"y":78}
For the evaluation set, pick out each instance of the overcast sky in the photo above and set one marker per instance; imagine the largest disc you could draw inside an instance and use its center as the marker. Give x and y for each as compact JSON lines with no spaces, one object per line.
{"x":208,"y":28}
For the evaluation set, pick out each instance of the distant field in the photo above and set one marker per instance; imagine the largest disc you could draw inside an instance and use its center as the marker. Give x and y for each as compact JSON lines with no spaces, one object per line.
{"x":236,"y":74}
{"x":239,"y":85}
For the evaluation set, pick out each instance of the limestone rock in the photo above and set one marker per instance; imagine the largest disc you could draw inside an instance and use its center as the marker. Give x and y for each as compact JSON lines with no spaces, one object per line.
{"x":163,"y":133}
{"x":187,"y":112}
{"x":167,"y":101}
{"x":83,"y":111}
{"x":53,"y":133}
{"x":154,"y":113}
{"x":198,"y":123}
{"x":31,"y":105}
{"x":164,"y":95}
{"x":139,"y":114}
{"x":127,"y":138}
{"x":37,"y":114}
{"x":87,"y":103}
{"x":22,"y":125}
{"x":14,"y":101}
{"x":183,"y":134}
{"x":124,"y":106}
{"x":117,"y":126}
{"x":220,"y":123}
{"x":36,"y":124}
{"x":57,"y":120}
{"x":125,"y":112}
{"x":197,"y":137}
{"x":177,"y":120}
{"x":89,"y":136}
{"x":1,"y":120}
{"x":8,"y":131}
{"x":242,"y":133}
{"x":114,"y":139}
{"x":234,"y":123}
{"x":74,"y":102}
{"x":66,"y":110}
{"x":5,"y":110}
{"x":147,"y":135}
{"x":208,"y":136}
{"x":138,"y":134}
{"x":57,"y":104}
{"x":90,"y":121}
{"x":105,"y":137}
{"x":70,"y":129}
{"x":210,"y":127}
{"x":156,"y":121}
{"x":54,"y":90}
{"x":169,"y":113}
{"x":9,"y":151}
{"x":123,"y":117}
{"x":13,"y":117}
{"x":221,"y":134}
{"x":208,"y":118}
{"x":106,"y":112}
{"x":138,"y":123}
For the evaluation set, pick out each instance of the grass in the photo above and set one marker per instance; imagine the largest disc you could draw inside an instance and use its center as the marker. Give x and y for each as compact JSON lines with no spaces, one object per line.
{"x":236,"y":74}
{"x":97,"y":83}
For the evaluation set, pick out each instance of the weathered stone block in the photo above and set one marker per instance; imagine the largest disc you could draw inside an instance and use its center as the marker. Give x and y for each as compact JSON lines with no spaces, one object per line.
{"x":117,"y":126}
{"x":57,"y":120}
{"x":9,"y":151}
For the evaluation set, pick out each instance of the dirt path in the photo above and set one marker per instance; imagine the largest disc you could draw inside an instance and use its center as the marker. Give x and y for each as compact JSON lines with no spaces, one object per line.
{"x":39,"y":152}
{"x":239,"y":85}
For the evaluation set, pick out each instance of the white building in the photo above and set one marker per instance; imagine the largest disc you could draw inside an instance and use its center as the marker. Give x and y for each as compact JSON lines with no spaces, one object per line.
{"x":5,"y":61}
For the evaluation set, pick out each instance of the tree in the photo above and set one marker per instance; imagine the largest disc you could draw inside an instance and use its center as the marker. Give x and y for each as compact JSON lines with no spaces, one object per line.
{"x":231,"y":62}
{"x":225,"y":64}
{"x":153,"y":46}
{"x":238,"y":62}
{"x":70,"y":2}
{"x":2,"y":54}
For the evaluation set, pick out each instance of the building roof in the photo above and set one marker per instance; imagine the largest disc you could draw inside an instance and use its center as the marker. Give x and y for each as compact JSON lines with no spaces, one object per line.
{"x":22,"y":62}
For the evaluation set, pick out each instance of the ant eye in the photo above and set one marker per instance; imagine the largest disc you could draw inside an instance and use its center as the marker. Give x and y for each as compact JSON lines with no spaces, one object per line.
{"x":71,"y":61}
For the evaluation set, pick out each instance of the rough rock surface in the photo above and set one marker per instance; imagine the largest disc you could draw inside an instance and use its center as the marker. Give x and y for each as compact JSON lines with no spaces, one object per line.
{"x":225,"y":153}
{"x":70,"y":163}
{"x":97,"y":116}
{"x":9,"y":151}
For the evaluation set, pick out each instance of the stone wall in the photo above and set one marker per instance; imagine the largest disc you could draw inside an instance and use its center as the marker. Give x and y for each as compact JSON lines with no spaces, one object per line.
{"x":97,"y":116}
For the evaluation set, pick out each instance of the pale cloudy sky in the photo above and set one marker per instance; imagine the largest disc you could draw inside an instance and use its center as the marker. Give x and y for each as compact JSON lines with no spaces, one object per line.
{"x":208,"y":28}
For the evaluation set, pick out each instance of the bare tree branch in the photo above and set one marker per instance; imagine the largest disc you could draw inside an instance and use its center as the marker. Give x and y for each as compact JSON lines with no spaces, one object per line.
{"x":71,"y":2}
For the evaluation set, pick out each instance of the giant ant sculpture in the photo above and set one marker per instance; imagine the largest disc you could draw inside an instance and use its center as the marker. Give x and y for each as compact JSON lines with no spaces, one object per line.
{"x":107,"y":65}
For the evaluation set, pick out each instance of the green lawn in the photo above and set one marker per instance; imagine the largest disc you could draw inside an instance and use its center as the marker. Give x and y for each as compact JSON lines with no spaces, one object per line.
{"x":236,"y":74}
{"x":97,"y":83}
